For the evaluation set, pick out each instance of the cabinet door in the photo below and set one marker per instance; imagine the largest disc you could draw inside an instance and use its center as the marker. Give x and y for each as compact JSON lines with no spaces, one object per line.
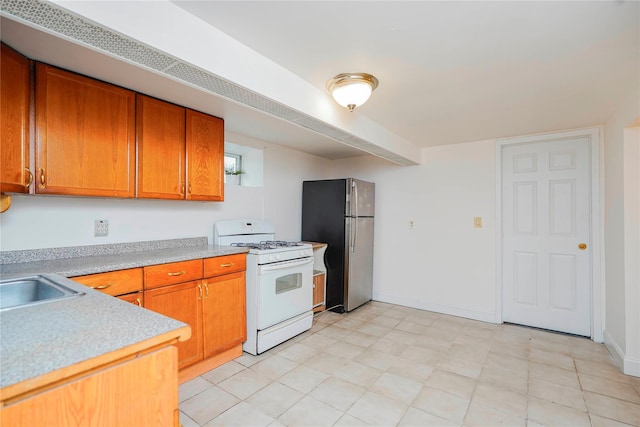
{"x":85,"y":132}
{"x":318,"y":292}
{"x":182,"y":302}
{"x":160,"y":133}
{"x":225,"y":318}
{"x":14,"y":117}
{"x":142,"y":392}
{"x":205,"y":157}
{"x":136,"y":298}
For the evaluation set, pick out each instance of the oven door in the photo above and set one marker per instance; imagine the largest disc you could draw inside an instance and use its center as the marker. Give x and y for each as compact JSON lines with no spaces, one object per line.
{"x":285,"y":290}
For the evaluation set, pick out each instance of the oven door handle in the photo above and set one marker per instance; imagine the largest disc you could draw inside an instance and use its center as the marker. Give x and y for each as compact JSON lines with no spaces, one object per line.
{"x":286,"y":264}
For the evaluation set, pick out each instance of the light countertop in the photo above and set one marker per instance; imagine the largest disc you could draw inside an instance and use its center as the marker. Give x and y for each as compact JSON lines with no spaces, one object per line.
{"x":41,"y":339}
{"x":90,"y":262}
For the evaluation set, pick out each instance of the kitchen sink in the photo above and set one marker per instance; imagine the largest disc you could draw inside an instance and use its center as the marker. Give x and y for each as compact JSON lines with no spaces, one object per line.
{"x":25,"y":291}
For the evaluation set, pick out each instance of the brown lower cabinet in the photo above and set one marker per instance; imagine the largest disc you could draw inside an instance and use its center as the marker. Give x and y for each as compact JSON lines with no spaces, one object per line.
{"x":110,"y":396}
{"x":224,"y":314}
{"x":318,"y":292}
{"x":182,"y":302}
{"x":214,"y":306}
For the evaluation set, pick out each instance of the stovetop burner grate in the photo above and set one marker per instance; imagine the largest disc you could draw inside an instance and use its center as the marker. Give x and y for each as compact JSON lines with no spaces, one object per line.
{"x":267,"y":244}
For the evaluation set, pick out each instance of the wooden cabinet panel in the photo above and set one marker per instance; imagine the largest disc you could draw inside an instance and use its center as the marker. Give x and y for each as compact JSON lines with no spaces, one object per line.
{"x":114,"y":282}
{"x":140,"y":392}
{"x":224,"y":321}
{"x":216,"y":266}
{"x":205,"y":157}
{"x":171,"y":273}
{"x":15,"y":84}
{"x":136,"y":298}
{"x":318,"y":292}
{"x":160,"y":134}
{"x":85,"y":132}
{"x":182,"y":302}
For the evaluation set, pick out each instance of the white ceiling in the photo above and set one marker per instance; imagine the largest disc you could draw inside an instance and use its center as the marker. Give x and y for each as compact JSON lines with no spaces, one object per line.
{"x":452,"y":71}
{"x":449,"y":71}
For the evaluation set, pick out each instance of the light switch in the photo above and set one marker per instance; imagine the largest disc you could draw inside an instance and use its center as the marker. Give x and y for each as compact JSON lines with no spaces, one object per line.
{"x":477,"y":222}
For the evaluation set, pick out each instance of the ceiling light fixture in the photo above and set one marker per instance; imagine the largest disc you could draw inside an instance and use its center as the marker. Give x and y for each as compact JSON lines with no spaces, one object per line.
{"x":351,"y":90}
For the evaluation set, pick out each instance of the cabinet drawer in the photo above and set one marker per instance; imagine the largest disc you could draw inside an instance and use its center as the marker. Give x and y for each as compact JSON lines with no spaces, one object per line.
{"x":172,"y":273}
{"x":224,"y":264}
{"x":114,"y":282}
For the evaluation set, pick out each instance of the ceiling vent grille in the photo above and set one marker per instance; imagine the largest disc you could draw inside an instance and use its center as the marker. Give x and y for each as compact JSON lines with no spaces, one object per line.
{"x":50,"y":16}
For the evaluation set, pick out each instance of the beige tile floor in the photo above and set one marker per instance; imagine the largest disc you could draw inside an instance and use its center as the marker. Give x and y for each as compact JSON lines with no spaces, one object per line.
{"x":388,"y":365}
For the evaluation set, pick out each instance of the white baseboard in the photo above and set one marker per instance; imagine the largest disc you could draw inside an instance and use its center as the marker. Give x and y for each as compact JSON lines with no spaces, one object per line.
{"x":483,"y":316}
{"x":631,"y":367}
{"x":627,"y":365}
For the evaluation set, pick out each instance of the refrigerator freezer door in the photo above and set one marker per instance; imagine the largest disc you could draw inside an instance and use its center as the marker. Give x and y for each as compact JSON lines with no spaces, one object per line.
{"x":363,"y":193}
{"x":358,"y":286}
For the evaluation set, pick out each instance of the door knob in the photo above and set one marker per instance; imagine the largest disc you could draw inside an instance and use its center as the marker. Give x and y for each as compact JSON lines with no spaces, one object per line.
{"x":582,"y":246}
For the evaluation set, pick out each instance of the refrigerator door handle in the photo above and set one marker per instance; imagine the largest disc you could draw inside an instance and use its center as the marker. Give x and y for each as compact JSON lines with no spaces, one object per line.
{"x":355,"y":225}
{"x":355,"y":187}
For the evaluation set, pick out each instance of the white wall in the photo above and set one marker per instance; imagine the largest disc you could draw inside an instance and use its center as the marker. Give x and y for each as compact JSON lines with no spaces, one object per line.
{"x":55,"y":221}
{"x":443,"y":264}
{"x":631,"y":168}
{"x":622,"y":335}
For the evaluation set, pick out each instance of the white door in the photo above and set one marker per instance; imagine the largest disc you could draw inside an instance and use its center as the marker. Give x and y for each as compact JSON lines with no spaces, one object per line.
{"x":546,"y":209}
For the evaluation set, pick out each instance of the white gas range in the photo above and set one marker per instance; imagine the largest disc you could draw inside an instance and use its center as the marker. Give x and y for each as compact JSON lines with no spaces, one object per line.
{"x":279,"y":282}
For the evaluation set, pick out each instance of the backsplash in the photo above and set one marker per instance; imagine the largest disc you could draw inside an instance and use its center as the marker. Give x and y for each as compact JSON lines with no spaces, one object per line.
{"x":31,"y":255}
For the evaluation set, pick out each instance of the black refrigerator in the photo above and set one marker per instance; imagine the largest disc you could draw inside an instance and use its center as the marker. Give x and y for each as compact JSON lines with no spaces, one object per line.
{"x":340,"y":212}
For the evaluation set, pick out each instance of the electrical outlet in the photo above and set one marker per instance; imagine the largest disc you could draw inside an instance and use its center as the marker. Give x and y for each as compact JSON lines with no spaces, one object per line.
{"x":101,"y":228}
{"x":412,"y":224}
{"x":477,"y":222}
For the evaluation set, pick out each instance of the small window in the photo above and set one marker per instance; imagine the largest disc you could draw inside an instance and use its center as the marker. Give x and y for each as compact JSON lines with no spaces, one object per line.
{"x":232,"y":168}
{"x":243,"y":162}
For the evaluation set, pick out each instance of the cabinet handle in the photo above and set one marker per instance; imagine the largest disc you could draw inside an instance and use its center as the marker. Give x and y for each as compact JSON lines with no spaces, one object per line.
{"x":182,"y":188}
{"x":108,"y":285}
{"x":138,"y":302}
{"x":30,"y":180}
{"x":200,"y":295}
{"x":42,"y":179}
{"x":189,"y":188}
{"x":206,"y":288}
{"x":229,"y":264}
{"x":177,"y":273}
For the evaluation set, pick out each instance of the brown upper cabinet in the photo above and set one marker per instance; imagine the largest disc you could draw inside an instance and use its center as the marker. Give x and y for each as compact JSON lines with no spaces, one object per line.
{"x":180,"y":152}
{"x":15,"y":84}
{"x":160,"y":134}
{"x":205,"y":157}
{"x":85,"y":135}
